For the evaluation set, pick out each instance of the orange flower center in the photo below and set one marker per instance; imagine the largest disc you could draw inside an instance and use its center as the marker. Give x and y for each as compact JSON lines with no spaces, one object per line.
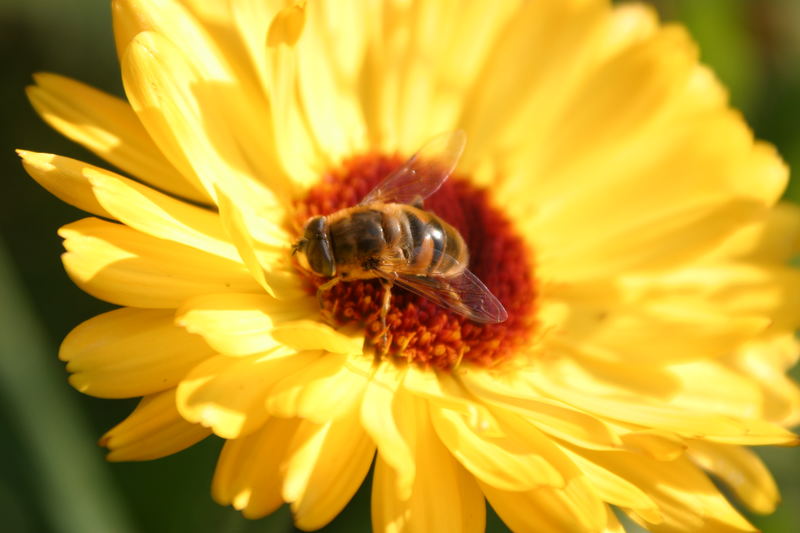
{"x":419,"y":330}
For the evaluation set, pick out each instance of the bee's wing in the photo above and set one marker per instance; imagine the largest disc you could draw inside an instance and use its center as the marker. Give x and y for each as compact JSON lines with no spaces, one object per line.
{"x":423,"y":173}
{"x":464,"y":294}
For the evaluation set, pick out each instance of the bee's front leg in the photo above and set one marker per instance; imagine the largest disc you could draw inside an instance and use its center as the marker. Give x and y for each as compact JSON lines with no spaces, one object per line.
{"x":327,"y":315}
{"x":387,"y":299}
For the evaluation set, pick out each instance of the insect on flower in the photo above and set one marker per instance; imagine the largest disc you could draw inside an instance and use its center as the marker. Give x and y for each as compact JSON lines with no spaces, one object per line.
{"x":390,"y":236}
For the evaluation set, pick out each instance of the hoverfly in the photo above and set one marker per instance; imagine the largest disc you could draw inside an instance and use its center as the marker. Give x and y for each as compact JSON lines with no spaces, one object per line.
{"x":390,"y":236}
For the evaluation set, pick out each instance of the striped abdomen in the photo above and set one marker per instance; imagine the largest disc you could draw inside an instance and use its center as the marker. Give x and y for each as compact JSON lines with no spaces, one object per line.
{"x":430,"y":246}
{"x":396,"y":237}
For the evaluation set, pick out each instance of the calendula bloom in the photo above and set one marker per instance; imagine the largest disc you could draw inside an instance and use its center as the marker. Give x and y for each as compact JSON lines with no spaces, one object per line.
{"x":609,"y":197}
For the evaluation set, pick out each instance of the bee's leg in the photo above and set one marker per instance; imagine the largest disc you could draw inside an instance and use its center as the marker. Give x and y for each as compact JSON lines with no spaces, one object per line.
{"x":387,"y":299}
{"x":321,"y":290}
{"x":460,"y":357}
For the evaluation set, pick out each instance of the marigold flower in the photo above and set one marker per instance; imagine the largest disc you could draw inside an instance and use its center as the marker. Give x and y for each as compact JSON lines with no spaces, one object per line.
{"x":609,"y":197}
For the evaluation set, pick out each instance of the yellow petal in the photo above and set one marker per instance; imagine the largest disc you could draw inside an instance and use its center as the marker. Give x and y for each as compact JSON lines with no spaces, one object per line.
{"x":388,"y":416}
{"x":764,"y":161}
{"x":629,"y":24}
{"x":740,"y":290}
{"x":713,"y":387}
{"x":120,"y":265}
{"x":715,"y":309}
{"x":444,"y":496}
{"x":287,"y":26}
{"x":771,"y":240}
{"x":677,"y":178}
{"x":228,"y":394}
{"x":687,"y":499}
{"x":650,"y":137}
{"x":169,"y":18}
{"x":214,"y":17}
{"x":130,"y":352}
{"x":660,"y":66}
{"x":273,"y":272}
{"x":606,"y":396}
{"x":419,"y":65}
{"x":153,"y":430}
{"x":683,"y":233}
{"x":152,"y":103}
{"x":325,"y":390}
{"x":766,"y":361}
{"x":741,"y":470}
{"x":613,"y":525}
{"x":658,"y":444}
{"x":249,"y":471}
{"x":109,"y":195}
{"x":550,"y":416}
{"x":315,"y":335}
{"x":444,"y":391}
{"x":182,"y":23}
{"x":325,"y":470}
{"x":181,"y":112}
{"x":549,"y":510}
{"x":107,"y":126}
{"x":635,"y":125}
{"x":232,"y":108}
{"x":775,"y":240}
{"x":275,"y":63}
{"x":520,"y":458}
{"x":614,"y":489}
{"x":519,"y":93}
{"x":241,"y":324}
{"x":328,"y":76}
{"x":63,"y":177}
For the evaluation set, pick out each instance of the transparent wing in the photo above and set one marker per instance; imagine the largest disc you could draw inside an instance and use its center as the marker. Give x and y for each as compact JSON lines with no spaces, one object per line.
{"x":423,"y":174}
{"x":464,"y":294}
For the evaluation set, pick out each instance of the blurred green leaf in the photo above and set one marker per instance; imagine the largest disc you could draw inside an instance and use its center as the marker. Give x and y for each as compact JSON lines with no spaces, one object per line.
{"x":73,"y":484}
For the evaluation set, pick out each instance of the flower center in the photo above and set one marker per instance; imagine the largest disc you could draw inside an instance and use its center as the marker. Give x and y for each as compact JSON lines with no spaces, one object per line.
{"x":419,"y":330}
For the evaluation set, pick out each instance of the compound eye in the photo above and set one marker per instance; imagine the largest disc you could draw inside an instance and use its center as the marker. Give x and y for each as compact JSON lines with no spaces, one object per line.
{"x":316,"y":247}
{"x":315,"y":228}
{"x":320,"y":257}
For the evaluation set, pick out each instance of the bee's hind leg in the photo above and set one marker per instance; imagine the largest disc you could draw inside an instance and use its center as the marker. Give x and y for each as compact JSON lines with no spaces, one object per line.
{"x":327,"y":314}
{"x":387,"y":299}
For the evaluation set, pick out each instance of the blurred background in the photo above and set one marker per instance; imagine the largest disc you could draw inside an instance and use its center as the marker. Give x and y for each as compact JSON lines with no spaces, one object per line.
{"x":52,"y":476}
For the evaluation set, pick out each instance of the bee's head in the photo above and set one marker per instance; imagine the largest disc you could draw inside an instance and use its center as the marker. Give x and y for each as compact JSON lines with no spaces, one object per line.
{"x":313,"y":250}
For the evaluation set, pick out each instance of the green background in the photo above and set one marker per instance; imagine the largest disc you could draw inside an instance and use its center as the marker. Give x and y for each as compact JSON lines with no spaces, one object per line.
{"x":52,"y":475}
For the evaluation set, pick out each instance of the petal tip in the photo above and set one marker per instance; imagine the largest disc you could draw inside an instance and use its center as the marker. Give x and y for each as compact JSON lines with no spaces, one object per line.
{"x":287,"y":26}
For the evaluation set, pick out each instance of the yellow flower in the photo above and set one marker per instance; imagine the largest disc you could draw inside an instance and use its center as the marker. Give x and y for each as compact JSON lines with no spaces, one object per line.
{"x":609,"y":197}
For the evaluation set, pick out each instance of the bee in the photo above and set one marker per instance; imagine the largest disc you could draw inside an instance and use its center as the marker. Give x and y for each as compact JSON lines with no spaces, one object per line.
{"x":390,"y":236}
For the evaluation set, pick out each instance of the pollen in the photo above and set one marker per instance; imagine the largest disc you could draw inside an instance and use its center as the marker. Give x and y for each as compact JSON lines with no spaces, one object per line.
{"x":420,"y":331}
